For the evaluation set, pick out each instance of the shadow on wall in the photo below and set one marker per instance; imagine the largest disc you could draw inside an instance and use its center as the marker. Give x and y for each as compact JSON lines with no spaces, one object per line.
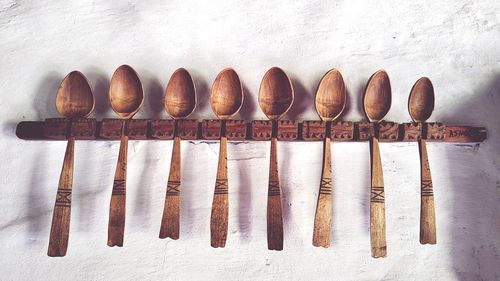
{"x":476,"y":193}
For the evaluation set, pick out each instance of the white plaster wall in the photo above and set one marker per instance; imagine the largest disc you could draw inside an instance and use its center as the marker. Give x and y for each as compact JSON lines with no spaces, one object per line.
{"x":455,"y":43}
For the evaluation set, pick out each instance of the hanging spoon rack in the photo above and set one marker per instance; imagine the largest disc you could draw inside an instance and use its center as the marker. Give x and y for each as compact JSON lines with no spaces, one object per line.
{"x":238,"y":130}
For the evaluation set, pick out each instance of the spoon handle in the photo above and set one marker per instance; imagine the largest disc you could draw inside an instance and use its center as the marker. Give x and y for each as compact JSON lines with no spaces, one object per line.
{"x":219,"y":217}
{"x":323,"y":218}
{"x":116,"y":226}
{"x":274,"y":208}
{"x":170,"y":220}
{"x":427,"y":210}
{"x":59,"y":232}
{"x":377,"y":204}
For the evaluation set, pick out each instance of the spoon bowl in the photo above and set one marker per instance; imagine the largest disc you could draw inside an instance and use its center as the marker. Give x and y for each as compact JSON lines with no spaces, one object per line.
{"x":421,"y":100}
{"x":377,"y":100}
{"x":74,"y":97}
{"x":180,"y":95}
{"x":126,"y":95}
{"x":226,"y":97}
{"x":331,"y":96}
{"x":275,"y":93}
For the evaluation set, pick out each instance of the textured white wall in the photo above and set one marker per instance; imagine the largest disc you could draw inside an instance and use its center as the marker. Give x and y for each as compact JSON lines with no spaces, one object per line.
{"x":455,"y":43}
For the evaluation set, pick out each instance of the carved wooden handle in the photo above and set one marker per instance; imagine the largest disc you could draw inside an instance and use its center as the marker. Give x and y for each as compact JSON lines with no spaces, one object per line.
{"x":219,"y":217}
{"x":170,"y":220}
{"x":274,"y":208}
{"x":323,"y":218}
{"x":116,"y":226}
{"x":377,"y":204}
{"x":59,"y":232}
{"x":427,"y":210}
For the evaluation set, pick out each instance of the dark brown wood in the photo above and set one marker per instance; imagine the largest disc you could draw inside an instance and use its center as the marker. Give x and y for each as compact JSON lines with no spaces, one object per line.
{"x":274,"y":204}
{"x":188,"y":129}
{"x":288,"y":130}
{"x":236,"y":130}
{"x":342,"y":131}
{"x":313,"y":130}
{"x":412,"y":131}
{"x":162,"y":129}
{"x":388,"y":131}
{"x":261,"y":131}
{"x":366,"y":130}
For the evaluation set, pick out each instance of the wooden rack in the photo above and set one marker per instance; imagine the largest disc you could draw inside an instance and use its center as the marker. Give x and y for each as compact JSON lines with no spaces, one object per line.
{"x":238,"y":130}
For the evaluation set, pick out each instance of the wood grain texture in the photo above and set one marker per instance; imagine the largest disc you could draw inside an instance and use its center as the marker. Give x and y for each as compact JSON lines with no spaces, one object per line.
{"x":59,"y":232}
{"x":427,"y":209}
{"x":116,"y":226}
{"x":220,"y":204}
{"x":377,"y":204}
{"x":323,"y":218}
{"x":171,"y":211}
{"x":377,"y":99}
{"x":274,"y":204}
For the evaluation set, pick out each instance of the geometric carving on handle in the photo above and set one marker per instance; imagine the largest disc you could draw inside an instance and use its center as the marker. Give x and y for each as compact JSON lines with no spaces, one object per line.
{"x":221,"y":186}
{"x":63,"y":198}
{"x":118,"y":187}
{"x":426,"y":188}
{"x":377,"y":194}
{"x":326,"y":186}
{"x":274,"y":188}
{"x":173,"y":188}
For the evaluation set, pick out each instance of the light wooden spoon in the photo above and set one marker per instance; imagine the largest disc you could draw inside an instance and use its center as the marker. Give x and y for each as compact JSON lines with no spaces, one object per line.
{"x":126,"y":97}
{"x":377,"y":102}
{"x":226,"y":99}
{"x":74,"y":99}
{"x":180,"y":102}
{"x":275,"y":99}
{"x":330,"y":102}
{"x":420,"y":106}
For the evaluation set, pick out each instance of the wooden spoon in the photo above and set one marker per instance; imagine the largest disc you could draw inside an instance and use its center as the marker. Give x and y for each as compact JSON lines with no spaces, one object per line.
{"x":330,"y":102}
{"x":74,"y":99}
{"x":126,"y":97}
{"x":420,"y":106}
{"x":226,"y":99}
{"x":377,"y":102}
{"x":275,"y":99}
{"x":180,"y":102}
